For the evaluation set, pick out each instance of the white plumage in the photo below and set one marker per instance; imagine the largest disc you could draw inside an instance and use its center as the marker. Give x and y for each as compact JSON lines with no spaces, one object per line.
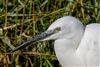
{"x":75,"y":45}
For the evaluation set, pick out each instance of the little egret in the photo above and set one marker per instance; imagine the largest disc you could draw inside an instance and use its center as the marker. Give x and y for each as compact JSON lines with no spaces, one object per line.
{"x":75,"y":44}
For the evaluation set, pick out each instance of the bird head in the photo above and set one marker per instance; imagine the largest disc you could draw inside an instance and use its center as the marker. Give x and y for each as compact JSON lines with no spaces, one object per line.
{"x":63,"y":27}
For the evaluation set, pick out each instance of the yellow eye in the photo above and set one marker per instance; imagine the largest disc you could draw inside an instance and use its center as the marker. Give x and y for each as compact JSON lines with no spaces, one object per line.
{"x":57,"y":29}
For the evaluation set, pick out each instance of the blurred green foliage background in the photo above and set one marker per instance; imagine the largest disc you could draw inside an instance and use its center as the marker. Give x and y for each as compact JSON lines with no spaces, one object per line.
{"x":22,"y":19}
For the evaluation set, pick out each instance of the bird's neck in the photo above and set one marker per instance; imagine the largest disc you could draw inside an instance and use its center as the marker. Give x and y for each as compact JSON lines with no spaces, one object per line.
{"x":64,"y":45}
{"x":65,"y":51}
{"x":69,"y":42}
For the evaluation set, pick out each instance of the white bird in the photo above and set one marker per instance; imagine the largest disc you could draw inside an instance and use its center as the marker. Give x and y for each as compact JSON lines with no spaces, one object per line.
{"x":75,"y":44}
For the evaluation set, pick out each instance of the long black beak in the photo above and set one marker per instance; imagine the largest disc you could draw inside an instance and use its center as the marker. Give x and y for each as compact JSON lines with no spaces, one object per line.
{"x":34,"y":40}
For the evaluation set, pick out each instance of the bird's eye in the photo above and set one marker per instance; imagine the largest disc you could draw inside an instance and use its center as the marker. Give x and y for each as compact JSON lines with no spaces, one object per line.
{"x":57,"y":29}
